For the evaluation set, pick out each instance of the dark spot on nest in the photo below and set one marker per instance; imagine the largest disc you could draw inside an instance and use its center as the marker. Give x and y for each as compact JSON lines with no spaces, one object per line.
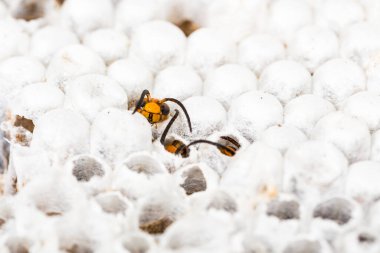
{"x":86,"y":167}
{"x":303,"y":246}
{"x":79,"y":249}
{"x":52,"y":213}
{"x":336,"y":209}
{"x":14,"y":185}
{"x":223,"y":201}
{"x":194,"y":182}
{"x":366,"y":238}
{"x":284,"y":210}
{"x":188,"y":27}
{"x":2,"y":222}
{"x":154,"y":219}
{"x":157,"y":226}
{"x":25,"y":123}
{"x":60,"y":2}
{"x":17,"y":245}
{"x":29,"y":10}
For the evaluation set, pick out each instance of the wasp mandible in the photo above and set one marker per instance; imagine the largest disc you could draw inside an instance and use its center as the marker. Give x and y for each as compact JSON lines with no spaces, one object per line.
{"x":177,"y":147}
{"x":156,"y":110}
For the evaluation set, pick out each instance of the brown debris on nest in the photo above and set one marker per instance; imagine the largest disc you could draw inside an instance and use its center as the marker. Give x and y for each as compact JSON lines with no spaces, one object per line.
{"x":27,"y":124}
{"x":30,"y":9}
{"x":18,"y":129}
{"x":59,"y":2}
{"x":156,"y":226}
{"x":79,"y":249}
{"x":188,"y":27}
{"x":154,"y":220}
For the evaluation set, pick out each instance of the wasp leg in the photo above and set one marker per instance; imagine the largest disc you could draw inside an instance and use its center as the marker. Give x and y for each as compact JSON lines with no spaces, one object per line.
{"x":182,"y":107}
{"x":141,"y":100}
{"x":163,"y":136}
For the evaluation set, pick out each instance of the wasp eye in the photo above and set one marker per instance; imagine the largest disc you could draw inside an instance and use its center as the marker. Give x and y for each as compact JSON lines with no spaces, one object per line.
{"x":185,"y":152}
{"x":165,"y":109}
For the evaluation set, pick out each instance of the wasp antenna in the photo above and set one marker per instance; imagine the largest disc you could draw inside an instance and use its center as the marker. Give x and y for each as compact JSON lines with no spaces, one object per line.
{"x":140,"y":101}
{"x":206,"y":141}
{"x":182,"y":107}
{"x":163,"y":136}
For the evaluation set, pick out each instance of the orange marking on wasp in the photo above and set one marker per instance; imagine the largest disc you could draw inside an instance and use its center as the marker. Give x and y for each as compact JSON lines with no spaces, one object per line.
{"x":177,"y":147}
{"x":156,"y":110}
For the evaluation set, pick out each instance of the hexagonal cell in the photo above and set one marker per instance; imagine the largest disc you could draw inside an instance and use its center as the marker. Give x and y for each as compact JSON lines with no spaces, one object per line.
{"x":17,"y":245}
{"x":257,"y":244}
{"x":284,"y":210}
{"x":76,"y":248}
{"x":223,"y":201}
{"x":111,"y":202}
{"x":335,"y":209}
{"x":144,"y":163}
{"x":154,"y":219}
{"x":86,"y":167}
{"x":29,"y":10}
{"x":303,"y":246}
{"x":136,"y":243}
{"x":194,"y":182}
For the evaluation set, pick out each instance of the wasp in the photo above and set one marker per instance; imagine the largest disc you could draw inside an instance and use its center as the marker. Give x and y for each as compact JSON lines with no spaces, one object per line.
{"x":231,"y":146}
{"x":156,"y":110}
{"x":177,"y":147}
